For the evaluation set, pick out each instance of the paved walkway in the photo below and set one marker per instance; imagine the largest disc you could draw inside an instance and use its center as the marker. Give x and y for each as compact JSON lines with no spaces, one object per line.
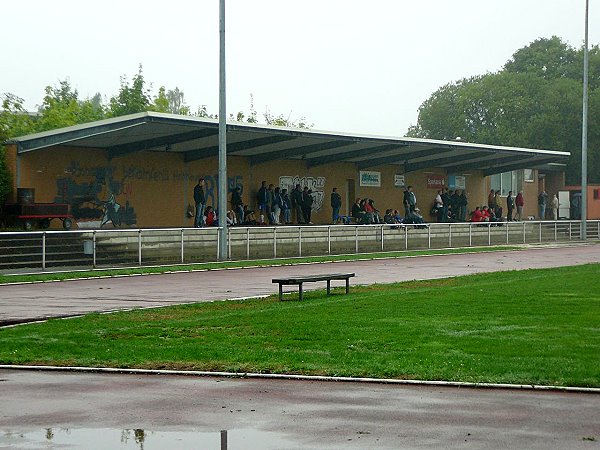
{"x":92,"y":410}
{"x":42,"y":300}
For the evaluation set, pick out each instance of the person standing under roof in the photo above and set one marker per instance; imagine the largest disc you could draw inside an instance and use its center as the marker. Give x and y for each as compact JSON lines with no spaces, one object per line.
{"x":519,"y":203}
{"x":336,"y":204}
{"x":200,"y":200}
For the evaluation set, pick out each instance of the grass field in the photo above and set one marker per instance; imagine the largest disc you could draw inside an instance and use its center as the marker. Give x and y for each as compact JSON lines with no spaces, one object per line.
{"x":68,"y":275}
{"x":527,"y":327}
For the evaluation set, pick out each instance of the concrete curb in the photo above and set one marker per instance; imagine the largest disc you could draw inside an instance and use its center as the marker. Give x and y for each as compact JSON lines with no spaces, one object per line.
{"x":275,"y":376}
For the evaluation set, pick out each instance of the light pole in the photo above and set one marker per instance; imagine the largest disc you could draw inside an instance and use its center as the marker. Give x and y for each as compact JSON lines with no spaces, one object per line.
{"x":222,"y":138}
{"x":584,"y":129}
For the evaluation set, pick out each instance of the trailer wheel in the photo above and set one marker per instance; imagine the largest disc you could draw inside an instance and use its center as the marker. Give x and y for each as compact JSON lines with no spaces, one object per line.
{"x":44,"y":224}
{"x":28,"y":225}
{"x":67,"y":224}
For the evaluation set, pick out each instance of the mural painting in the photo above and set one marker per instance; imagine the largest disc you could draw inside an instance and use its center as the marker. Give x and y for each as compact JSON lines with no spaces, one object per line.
{"x":317,"y":185}
{"x":107,"y":198}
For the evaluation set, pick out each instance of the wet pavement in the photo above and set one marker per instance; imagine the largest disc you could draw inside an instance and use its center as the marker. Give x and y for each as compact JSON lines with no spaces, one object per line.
{"x":42,"y":409}
{"x":41,"y":300}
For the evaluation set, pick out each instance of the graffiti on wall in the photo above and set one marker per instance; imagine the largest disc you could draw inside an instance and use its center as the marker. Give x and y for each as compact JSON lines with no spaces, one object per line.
{"x":315,"y":184}
{"x":107,"y":193}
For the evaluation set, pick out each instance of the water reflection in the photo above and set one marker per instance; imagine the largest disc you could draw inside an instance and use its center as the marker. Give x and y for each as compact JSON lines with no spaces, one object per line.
{"x":139,"y":439}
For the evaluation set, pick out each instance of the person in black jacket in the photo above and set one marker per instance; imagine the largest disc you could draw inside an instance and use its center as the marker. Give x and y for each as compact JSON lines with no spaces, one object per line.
{"x":307,"y":202}
{"x":200,"y":200}
{"x":237,"y":205}
{"x":336,"y":204}
{"x":297,"y":204}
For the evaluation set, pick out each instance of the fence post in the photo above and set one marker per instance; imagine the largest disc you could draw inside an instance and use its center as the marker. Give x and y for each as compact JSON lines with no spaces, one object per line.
{"x":570,"y":229}
{"x":524,"y":234}
{"x":329,"y":239}
{"x":382,"y":244}
{"x":540,"y":232}
{"x":218,"y":243}
{"x":182,"y":256}
{"x":228,"y":243}
{"x":489,"y":233}
{"x":470,"y":234}
{"x":555,"y":231}
{"x":299,"y":241}
{"x":43,"y":250}
{"x":248,"y":243}
{"x":507,"y":225}
{"x":139,"y":246}
{"x":429,"y":237}
{"x":274,"y":242}
{"x":450,"y":235}
{"x":94,"y":249}
{"x":406,"y":237}
{"x":356,"y":239}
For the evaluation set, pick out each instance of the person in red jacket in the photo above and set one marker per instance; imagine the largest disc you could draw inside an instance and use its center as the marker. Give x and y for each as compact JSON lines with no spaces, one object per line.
{"x":519,"y":203}
{"x":477,"y":215}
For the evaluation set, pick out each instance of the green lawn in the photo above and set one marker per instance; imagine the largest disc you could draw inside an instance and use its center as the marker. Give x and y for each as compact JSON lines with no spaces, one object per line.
{"x":529,"y":327}
{"x":59,"y":276}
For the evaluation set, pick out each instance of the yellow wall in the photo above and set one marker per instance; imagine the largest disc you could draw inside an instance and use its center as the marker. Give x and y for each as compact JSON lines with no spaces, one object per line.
{"x":154,"y":189}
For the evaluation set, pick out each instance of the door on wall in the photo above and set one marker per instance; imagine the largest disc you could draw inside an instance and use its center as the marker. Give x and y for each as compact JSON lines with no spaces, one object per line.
{"x":350,"y":195}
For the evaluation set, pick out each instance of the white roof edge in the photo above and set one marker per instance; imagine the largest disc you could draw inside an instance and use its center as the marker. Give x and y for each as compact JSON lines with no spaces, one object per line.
{"x":308,"y":132}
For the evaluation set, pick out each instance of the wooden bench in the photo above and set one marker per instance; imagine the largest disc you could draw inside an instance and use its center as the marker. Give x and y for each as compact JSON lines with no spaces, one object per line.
{"x":311,"y":279}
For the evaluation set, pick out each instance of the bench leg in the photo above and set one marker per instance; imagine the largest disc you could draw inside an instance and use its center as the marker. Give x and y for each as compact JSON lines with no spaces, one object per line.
{"x":328,"y":287}
{"x":347,"y":285}
{"x":300,"y":287}
{"x":280,"y":292}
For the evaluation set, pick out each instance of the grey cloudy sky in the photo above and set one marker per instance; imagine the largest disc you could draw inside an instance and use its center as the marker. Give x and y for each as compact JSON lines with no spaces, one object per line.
{"x":356,"y":66}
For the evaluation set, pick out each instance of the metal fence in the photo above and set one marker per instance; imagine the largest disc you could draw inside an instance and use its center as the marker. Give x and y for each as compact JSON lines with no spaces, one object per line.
{"x":52,"y":250}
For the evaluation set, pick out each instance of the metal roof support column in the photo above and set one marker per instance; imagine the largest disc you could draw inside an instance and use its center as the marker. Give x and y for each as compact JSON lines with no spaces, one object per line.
{"x":222,"y":138}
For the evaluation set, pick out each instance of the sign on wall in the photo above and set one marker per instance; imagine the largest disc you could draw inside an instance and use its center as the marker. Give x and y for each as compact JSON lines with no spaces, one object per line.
{"x":457,"y":182}
{"x":370,"y":179}
{"x":436,"y":181}
{"x":399,"y":180}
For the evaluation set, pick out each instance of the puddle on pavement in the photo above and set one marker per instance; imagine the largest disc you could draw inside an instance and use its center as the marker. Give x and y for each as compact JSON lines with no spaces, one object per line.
{"x":107,"y":438}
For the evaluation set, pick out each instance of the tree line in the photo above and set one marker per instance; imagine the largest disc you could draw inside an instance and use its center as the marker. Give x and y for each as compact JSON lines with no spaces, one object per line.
{"x":535,"y":101}
{"x":62,"y":107}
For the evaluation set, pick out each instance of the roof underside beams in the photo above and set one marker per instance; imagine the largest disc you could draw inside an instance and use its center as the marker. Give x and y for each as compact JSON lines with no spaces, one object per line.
{"x":525,"y":164}
{"x":234,"y":147}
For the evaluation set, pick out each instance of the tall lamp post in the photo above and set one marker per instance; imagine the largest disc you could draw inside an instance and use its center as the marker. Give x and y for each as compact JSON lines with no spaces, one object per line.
{"x":584,"y":129}
{"x":222,"y":138}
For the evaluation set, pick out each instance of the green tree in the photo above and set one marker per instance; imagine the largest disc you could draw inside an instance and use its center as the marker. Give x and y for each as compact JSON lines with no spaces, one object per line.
{"x":131,"y":99}
{"x":535,"y":101}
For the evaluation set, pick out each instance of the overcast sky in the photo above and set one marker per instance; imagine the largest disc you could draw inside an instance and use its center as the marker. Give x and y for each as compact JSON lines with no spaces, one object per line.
{"x":345,"y":65}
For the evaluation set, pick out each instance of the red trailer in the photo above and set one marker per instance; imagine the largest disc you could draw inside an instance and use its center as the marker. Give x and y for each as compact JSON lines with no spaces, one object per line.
{"x":40,"y":213}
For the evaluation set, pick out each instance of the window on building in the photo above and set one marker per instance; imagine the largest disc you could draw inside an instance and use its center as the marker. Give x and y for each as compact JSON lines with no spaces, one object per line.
{"x":507,"y":181}
{"x":528,"y":175}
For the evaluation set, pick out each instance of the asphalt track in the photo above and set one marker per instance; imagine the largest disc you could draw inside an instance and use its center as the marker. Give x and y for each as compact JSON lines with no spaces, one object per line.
{"x":82,"y":410}
{"x":27,"y":302}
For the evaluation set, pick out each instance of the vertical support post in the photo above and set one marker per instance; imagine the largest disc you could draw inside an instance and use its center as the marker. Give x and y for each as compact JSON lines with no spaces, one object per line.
{"x":228,"y":243}
{"x":222,"y":189}
{"x":329,"y":240}
{"x":489,"y":233}
{"x":507,"y":225}
{"x":382,"y":244}
{"x":524,"y":234}
{"x":584,"y":127}
{"x":182,"y":255}
{"x":94,"y":249}
{"x":555,"y":231}
{"x":43,"y":250}
{"x":470,"y":234}
{"x":355,"y":239}
{"x":218,"y":243}
{"x":248,"y":243}
{"x":139,"y":247}
{"x":450,"y":235}
{"x":540,"y":232}
{"x":570,"y":229}
{"x":299,"y":241}
{"x":428,"y":237}
{"x":274,"y":242}
{"x":406,"y":238}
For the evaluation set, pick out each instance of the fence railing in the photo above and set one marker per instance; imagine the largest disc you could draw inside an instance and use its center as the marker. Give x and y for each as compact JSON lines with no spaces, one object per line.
{"x":54,"y":250}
